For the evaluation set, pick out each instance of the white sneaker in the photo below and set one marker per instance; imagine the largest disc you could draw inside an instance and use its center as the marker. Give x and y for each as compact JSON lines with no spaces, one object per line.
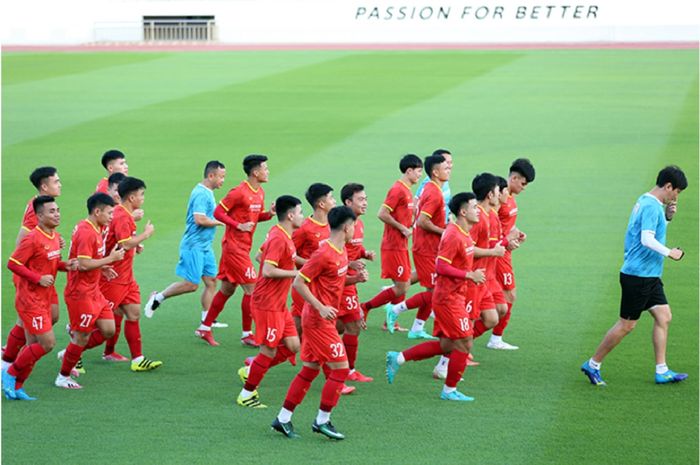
{"x":73,"y":372}
{"x":440,"y":372}
{"x":66,"y":382}
{"x":219,"y":324}
{"x":501,"y":345}
{"x":151,"y":305}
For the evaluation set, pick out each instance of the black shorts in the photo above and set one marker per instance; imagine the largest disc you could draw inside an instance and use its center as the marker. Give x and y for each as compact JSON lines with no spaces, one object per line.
{"x":640,"y":294}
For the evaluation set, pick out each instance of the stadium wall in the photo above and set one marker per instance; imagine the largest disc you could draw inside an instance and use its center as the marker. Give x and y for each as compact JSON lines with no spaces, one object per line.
{"x":246,"y":22}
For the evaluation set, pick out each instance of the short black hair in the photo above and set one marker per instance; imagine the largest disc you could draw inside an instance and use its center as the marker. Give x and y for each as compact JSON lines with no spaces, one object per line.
{"x":482,"y":184}
{"x":349,"y":190}
{"x":251,"y":162}
{"x":129,"y":185}
{"x":442,"y":152}
{"x":316,"y":191}
{"x":97,"y":200}
{"x":674,"y":175}
{"x":430,"y":162}
{"x":460,"y":199}
{"x":111,"y":155}
{"x":115,"y":178}
{"x":39,"y":202}
{"x":523,"y":167}
{"x":502,"y":182}
{"x":212,"y":166}
{"x":410,"y":161}
{"x":284,"y":203}
{"x":338,"y":216}
{"x":39,"y":174}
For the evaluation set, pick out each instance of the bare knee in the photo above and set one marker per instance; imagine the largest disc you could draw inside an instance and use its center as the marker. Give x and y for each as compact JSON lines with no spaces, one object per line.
{"x":293,"y":344}
{"x":662,"y":315}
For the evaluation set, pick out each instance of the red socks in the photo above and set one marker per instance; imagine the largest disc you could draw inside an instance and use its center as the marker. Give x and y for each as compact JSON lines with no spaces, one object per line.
{"x":132,"y":333}
{"x":24,"y":364}
{"x":112,"y":341}
{"x":332,"y":388}
{"x":70,"y":358}
{"x":422,"y":351}
{"x":261,"y":363}
{"x":283,"y":354}
{"x":246,"y":313}
{"x":384,"y":297}
{"x":297,"y":390}
{"x":425,"y":307}
{"x":96,"y":338}
{"x":456,"y":367}
{"x":217,"y":305}
{"x":15,"y":341}
{"x":418,"y":299}
{"x":351,"y":342}
{"x":479,"y":328}
{"x":503,"y":322}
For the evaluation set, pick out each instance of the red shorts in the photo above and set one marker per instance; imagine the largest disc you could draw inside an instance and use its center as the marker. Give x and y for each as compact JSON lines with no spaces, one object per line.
{"x":84,"y":312}
{"x":272,"y":327}
{"x":452,"y":322}
{"x":497,"y":292}
{"x":297,"y":303}
{"x":236,"y":267}
{"x":54,"y":296}
{"x":504,"y":272}
{"x":425,"y":267}
{"x":396,"y":265}
{"x":121,"y":294}
{"x":321,"y":343}
{"x":35,"y":318}
{"x":480,"y":298}
{"x":349,"y":310}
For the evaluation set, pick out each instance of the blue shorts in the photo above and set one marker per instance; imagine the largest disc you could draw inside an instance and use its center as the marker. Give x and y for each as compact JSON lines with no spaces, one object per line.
{"x":195,"y":264}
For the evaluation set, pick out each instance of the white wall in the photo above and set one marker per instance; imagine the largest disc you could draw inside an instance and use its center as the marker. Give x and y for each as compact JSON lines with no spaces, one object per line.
{"x":360,"y":21}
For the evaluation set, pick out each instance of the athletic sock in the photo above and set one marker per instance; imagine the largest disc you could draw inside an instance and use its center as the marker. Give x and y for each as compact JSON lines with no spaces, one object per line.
{"x":331,"y":390}
{"x":24,"y":364}
{"x":416,"y":300}
{"x":96,"y":338}
{"x":70,"y":358}
{"x":298,"y":388}
{"x":384,"y":297}
{"x":132,"y":334}
{"x":502,"y":322}
{"x":479,"y":328}
{"x":285,"y":416}
{"x":456,"y":367}
{"x":15,"y":341}
{"x":246,"y":314}
{"x":261,"y":363}
{"x":283,"y":354}
{"x":417,"y":326}
{"x":661,"y":368}
{"x":595,"y":365}
{"x":160,"y":297}
{"x":351,"y":341}
{"x":399,"y":308}
{"x":322,"y":417}
{"x":217,"y":306}
{"x":111,"y":343}
{"x":495,"y":338}
{"x":442,"y":363}
{"x":423,"y":351}
{"x":426,"y":305}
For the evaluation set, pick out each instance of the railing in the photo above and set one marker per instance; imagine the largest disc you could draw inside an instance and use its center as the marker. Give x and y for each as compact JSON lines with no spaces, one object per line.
{"x":189,"y":31}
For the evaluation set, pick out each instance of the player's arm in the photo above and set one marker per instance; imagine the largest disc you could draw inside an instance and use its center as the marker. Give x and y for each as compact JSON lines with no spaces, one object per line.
{"x":134,"y":241}
{"x":301,"y":286}
{"x":384,"y":215}
{"x":268,"y":215}
{"x":87,"y":263}
{"x":497,"y":251}
{"x":649,"y":241}
{"x":23,"y":231}
{"x":425,"y":222}
{"x":361,"y":277}
{"x":204,"y":221}
{"x":221,"y":214}
{"x":270,"y":270}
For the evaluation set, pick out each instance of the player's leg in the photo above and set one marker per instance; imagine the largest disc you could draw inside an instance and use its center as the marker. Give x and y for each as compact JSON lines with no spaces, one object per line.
{"x":662,"y":320}
{"x":351,"y":341}
{"x":295,"y":395}
{"x":247,"y":336}
{"x":132,"y":334}
{"x":110,"y":353}
{"x":425,"y":350}
{"x":459,"y":352}
{"x":16,"y":339}
{"x":218,"y":302}
{"x":329,"y":399}
{"x":190,"y":268}
{"x":487,"y":320}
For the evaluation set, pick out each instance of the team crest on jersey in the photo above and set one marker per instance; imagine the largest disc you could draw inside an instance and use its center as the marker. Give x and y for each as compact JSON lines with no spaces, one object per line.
{"x":343,"y":270}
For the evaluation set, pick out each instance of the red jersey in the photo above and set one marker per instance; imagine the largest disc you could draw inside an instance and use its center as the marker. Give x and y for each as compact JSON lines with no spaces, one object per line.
{"x":356,"y":250}
{"x":325,"y":272}
{"x":431,"y":204}
{"x":507,"y":214}
{"x":270,"y":294}
{"x":87,"y":241}
{"x":481,"y":235}
{"x":308,"y":238}
{"x":30,"y":221}
{"x":102,"y":186}
{"x":495,"y":232}
{"x":121,"y":229}
{"x":243,"y":204}
{"x":399,"y":202}
{"x":457,"y":249}
{"x":41,"y":253}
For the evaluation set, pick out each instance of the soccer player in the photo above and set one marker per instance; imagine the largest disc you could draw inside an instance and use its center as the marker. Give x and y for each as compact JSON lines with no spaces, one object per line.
{"x":122,"y":292}
{"x":47,"y":183}
{"x":309,"y":237}
{"x":197,"y":261}
{"x":90,"y":314}
{"x":454,"y":267}
{"x":397,"y":215}
{"x":241,"y":210}
{"x":522,"y":173}
{"x":640,"y":276}
{"x":35,"y":262}
{"x":430,"y":225}
{"x":446,"y":192}
{"x":113,"y":185}
{"x":349,"y":315}
{"x":320,"y":282}
{"x":275,"y":333}
{"x":113,"y":161}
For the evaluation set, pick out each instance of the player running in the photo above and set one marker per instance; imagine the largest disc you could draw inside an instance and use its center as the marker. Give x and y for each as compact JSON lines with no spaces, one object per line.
{"x":320,"y":283}
{"x":35,"y":262}
{"x":275,"y":333}
{"x":241,"y":210}
{"x":640,"y":276}
{"x":114,"y":161}
{"x":454,"y":267}
{"x":197,"y":261}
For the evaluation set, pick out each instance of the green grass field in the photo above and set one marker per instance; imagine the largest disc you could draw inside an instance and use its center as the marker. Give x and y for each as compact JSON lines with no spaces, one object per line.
{"x":597,"y":124}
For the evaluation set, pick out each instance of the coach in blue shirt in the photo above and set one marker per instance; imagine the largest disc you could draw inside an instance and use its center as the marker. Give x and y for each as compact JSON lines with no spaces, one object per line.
{"x":640,"y":276}
{"x":197,"y":260}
